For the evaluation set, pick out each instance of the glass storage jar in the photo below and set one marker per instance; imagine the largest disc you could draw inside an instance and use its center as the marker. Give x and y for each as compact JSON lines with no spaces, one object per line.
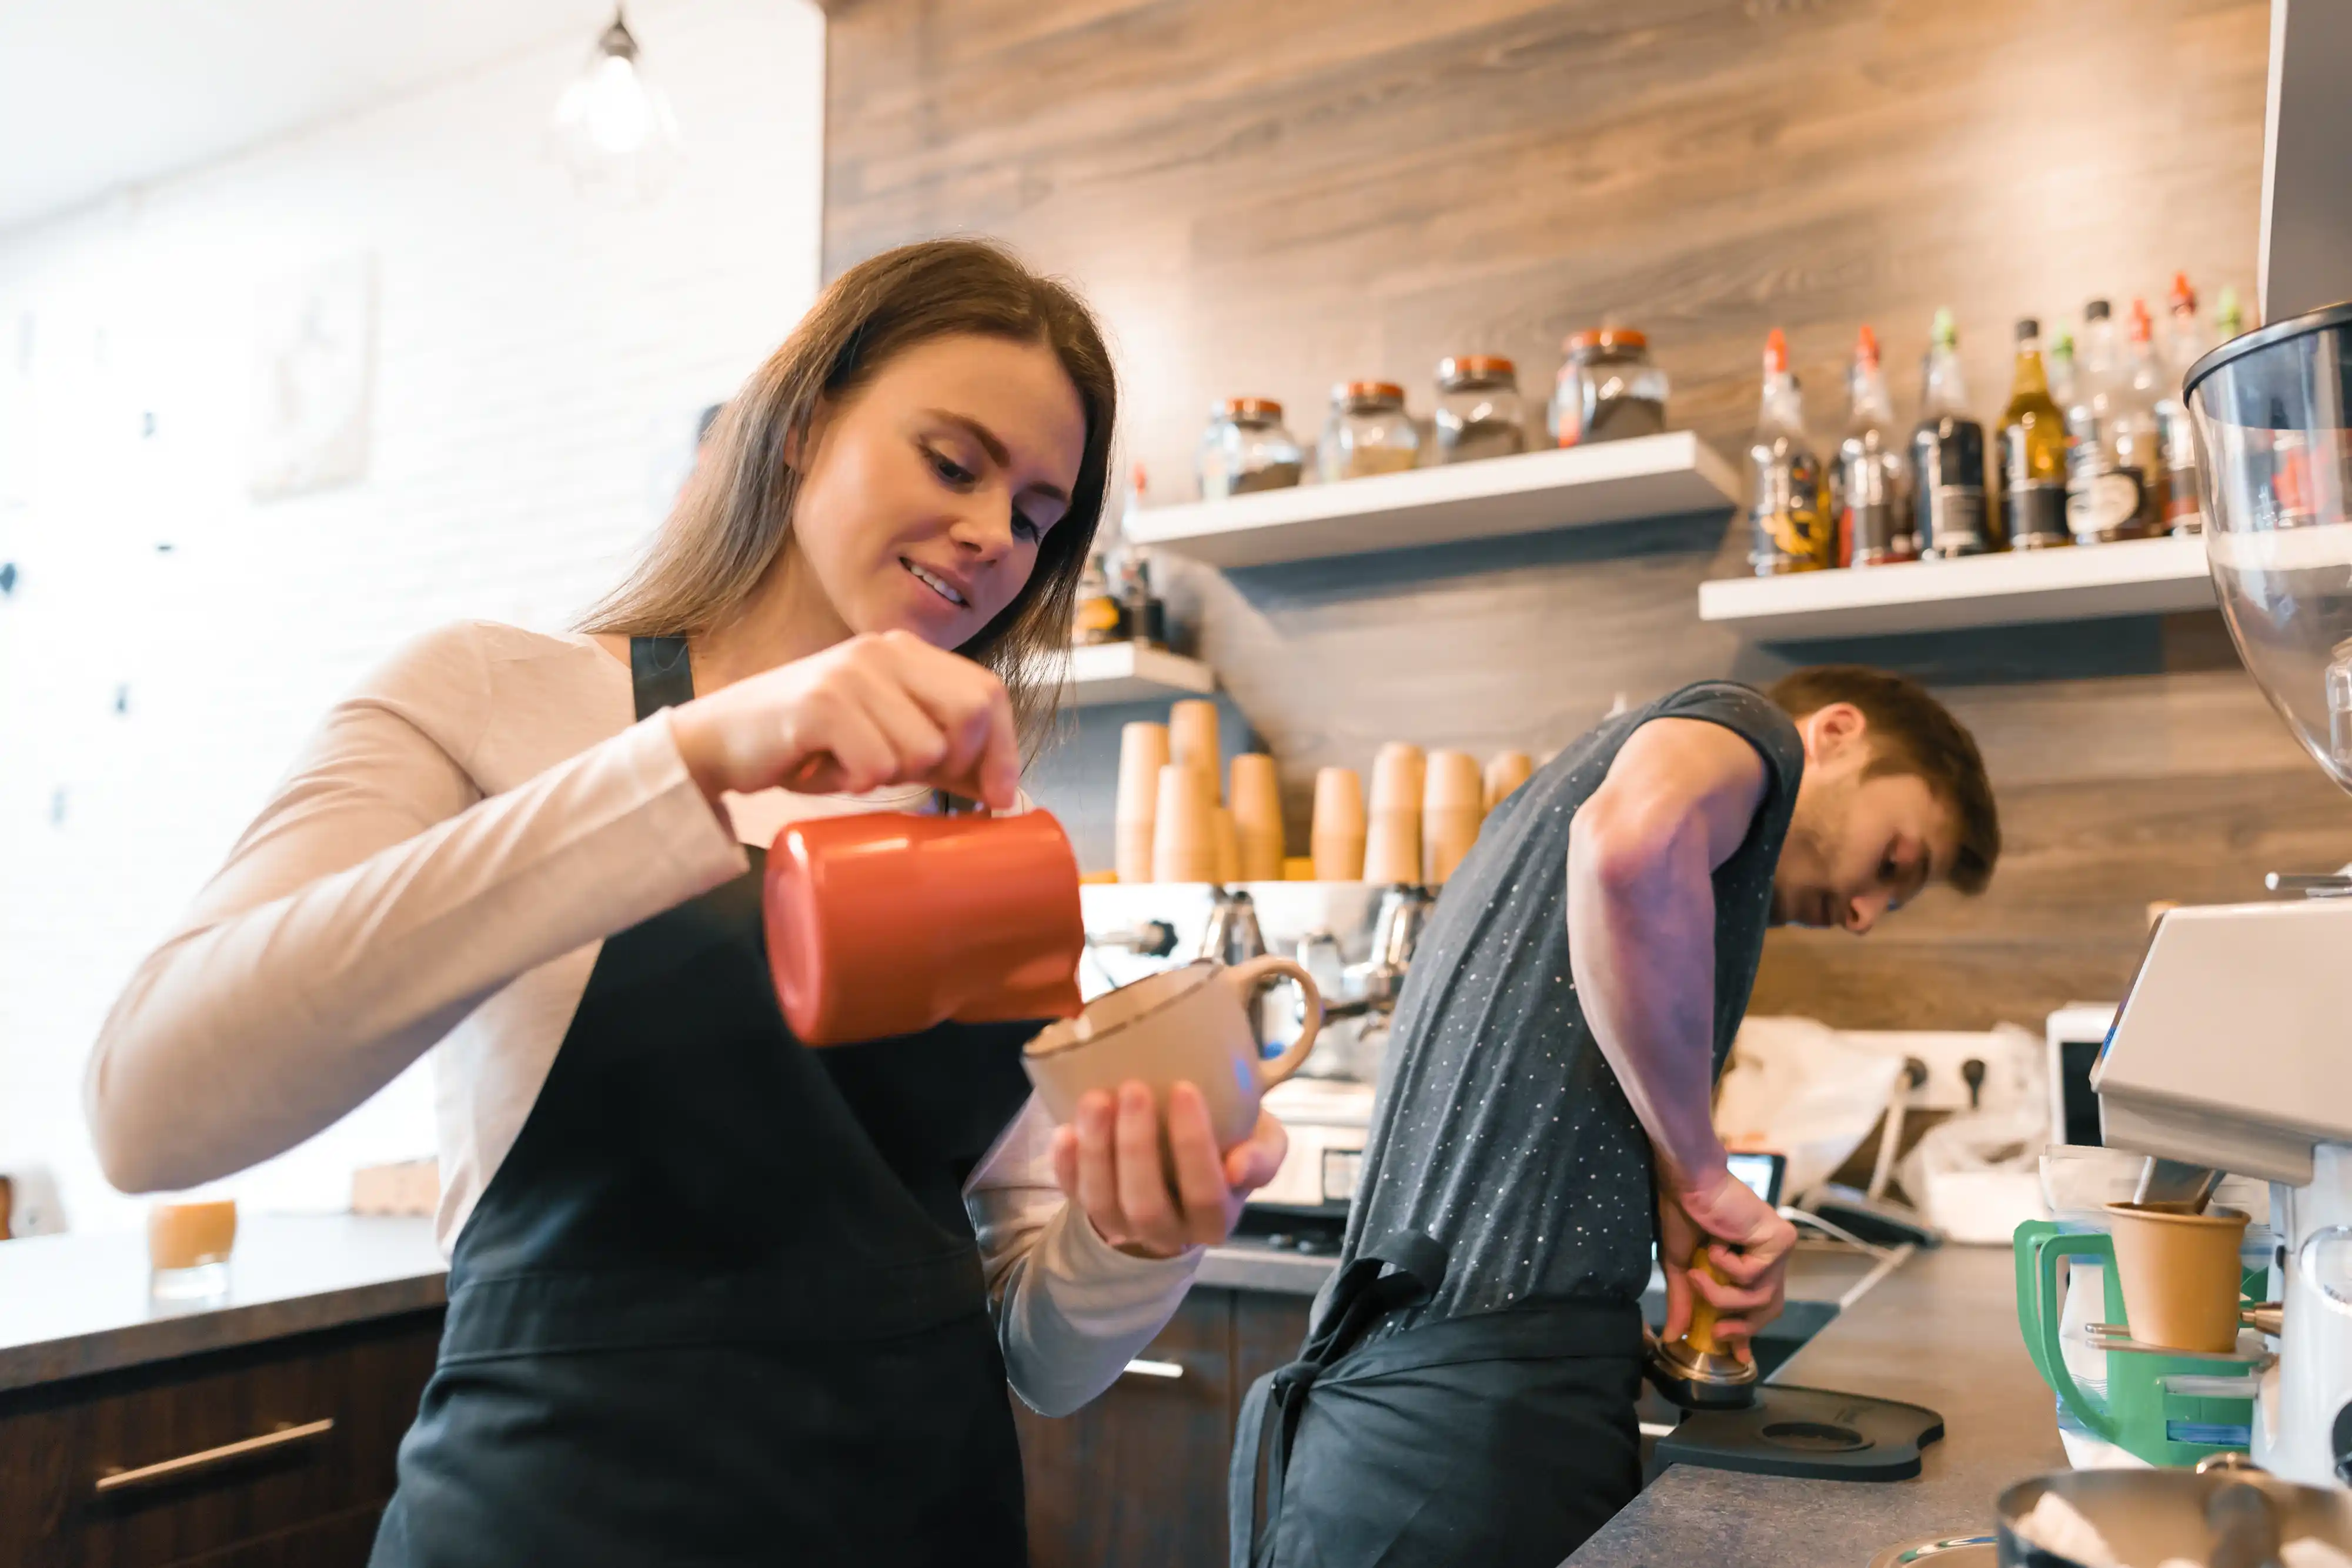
{"x":1369,"y":431}
{"x":1479,"y":413}
{"x":1245,"y":448}
{"x":1608,"y":389}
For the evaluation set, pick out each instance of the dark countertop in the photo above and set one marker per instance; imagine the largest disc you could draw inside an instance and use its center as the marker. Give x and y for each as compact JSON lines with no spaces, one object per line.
{"x":74,"y":1304}
{"x":1940,"y":1330}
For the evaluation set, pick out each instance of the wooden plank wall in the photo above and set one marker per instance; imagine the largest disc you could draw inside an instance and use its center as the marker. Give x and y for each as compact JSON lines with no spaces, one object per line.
{"x":1264,"y":198}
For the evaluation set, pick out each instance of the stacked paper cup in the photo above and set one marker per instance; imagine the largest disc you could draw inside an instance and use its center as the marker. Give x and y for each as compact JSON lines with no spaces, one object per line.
{"x":1142,"y":753}
{"x":1192,"y":739}
{"x":1255,"y":791}
{"x":1453,"y":804}
{"x":1337,"y":834}
{"x":1185,"y":826}
{"x":1392,"y":836}
{"x":1506,"y":771}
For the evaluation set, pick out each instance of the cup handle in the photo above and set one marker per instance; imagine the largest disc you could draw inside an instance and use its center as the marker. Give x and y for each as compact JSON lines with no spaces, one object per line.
{"x":1245,"y":980}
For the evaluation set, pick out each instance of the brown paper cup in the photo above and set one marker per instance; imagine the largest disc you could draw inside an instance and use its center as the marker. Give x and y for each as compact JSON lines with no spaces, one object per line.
{"x":1393,"y":848}
{"x":1447,"y":837}
{"x":1338,"y":803}
{"x":1193,"y":738}
{"x":1184,"y":830}
{"x":1256,"y":797}
{"x":1506,"y":771}
{"x":191,"y":1234}
{"x":1132,"y":849}
{"x":1397,"y":776}
{"x":1228,"y":846}
{"x":2179,"y":1275}
{"x":1451,"y":782}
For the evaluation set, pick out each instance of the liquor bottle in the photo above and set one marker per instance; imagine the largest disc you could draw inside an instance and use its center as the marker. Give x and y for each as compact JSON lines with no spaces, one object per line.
{"x":2033,"y":453}
{"x":2108,"y":490}
{"x":2062,"y":366}
{"x":1142,"y":617}
{"x":2133,"y":430}
{"x":1948,"y":457}
{"x":1788,"y":513}
{"x":1096,"y":615}
{"x":2185,"y":342}
{"x":1871,"y":483}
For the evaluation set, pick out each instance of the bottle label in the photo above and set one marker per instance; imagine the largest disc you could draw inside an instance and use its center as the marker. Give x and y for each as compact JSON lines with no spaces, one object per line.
{"x":2036,"y":512}
{"x":1952,"y":520}
{"x":1790,"y":526}
{"x":2104,"y":504}
{"x":2184,"y":507}
{"x":1870,"y":534}
{"x":1097,"y":620}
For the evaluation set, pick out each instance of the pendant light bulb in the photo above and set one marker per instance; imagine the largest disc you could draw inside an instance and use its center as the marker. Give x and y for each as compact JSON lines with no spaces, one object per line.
{"x":613,"y":128}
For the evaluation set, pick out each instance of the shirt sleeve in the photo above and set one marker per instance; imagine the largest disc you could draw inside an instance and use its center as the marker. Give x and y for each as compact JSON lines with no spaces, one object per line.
{"x":1071,"y":1309}
{"x":1756,"y":719}
{"x":379,"y":897}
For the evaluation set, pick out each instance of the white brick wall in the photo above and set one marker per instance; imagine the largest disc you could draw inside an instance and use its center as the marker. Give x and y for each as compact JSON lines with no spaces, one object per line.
{"x":539,"y":364}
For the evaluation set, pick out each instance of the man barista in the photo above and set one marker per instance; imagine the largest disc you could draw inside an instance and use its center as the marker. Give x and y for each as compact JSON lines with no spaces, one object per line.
{"x":1466,"y":1394}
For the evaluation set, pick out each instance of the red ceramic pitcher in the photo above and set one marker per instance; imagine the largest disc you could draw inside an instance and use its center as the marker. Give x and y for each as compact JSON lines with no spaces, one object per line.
{"x":884,"y":923}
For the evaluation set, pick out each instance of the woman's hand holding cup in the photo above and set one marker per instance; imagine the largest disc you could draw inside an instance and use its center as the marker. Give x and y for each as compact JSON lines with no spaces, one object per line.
{"x":1107,"y":1159}
{"x":864,"y":713}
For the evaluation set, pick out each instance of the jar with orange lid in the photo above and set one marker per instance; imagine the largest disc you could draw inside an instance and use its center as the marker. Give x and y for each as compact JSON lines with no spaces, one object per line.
{"x":1369,"y":431}
{"x":1608,"y":390}
{"x":1246,"y":449}
{"x":1479,"y":413}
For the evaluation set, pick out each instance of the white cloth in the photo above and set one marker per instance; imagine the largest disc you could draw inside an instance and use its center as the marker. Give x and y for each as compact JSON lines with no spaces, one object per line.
{"x":439,"y":872}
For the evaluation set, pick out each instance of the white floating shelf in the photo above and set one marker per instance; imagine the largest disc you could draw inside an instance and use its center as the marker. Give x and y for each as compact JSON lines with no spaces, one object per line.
{"x":2135,"y":577}
{"x":1577,"y":486}
{"x":1110,"y":673}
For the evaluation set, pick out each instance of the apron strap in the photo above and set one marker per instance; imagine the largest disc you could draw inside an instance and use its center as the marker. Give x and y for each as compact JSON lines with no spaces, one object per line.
{"x":1404,"y":1268}
{"x":660,"y":674}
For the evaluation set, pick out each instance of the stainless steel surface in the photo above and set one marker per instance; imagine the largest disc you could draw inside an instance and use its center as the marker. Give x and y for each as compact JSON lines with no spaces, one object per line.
{"x":118,"y":1481}
{"x":1167,"y":1370}
{"x":1375,"y":983}
{"x":2306,"y":231}
{"x":2232,"y":1517}
{"x":1151,"y":939}
{"x":2311,"y":884}
{"x":2175,"y":1185}
{"x":1232,"y":935}
{"x":1942,"y":1552}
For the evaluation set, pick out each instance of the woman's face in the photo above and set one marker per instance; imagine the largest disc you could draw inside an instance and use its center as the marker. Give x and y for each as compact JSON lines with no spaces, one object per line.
{"x":925,"y":493}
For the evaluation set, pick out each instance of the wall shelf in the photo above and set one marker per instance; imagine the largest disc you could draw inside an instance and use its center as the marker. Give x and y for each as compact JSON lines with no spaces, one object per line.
{"x":2137,"y":577}
{"x":1578,"y":486}
{"x":1111,"y":673}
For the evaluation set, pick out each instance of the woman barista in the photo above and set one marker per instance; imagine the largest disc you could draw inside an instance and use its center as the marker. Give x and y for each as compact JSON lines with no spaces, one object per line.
{"x":714,"y":1297}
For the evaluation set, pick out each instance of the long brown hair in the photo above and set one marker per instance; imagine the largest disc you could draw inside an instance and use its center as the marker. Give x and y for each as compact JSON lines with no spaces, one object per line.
{"x":725,"y":531}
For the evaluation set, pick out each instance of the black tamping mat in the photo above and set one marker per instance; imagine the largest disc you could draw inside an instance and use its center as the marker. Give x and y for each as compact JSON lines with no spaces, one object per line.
{"x":1808,"y":1433}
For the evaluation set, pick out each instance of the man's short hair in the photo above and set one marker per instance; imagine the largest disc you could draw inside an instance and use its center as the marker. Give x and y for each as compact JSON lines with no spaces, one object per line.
{"x":1911,"y":733}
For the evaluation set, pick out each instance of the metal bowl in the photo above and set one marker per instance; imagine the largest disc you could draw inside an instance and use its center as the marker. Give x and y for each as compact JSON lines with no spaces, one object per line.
{"x":2148,"y":1516}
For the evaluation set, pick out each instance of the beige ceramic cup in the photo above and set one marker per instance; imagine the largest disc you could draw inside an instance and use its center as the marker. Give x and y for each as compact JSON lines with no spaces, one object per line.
{"x":1189,"y":1025}
{"x":2179,"y":1275}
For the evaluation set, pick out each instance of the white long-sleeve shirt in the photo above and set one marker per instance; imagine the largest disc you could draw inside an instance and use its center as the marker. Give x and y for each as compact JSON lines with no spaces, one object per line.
{"x":439,"y":872}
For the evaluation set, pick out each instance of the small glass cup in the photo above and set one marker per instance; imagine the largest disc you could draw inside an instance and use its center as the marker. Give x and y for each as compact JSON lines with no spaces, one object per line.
{"x":188,"y":1247}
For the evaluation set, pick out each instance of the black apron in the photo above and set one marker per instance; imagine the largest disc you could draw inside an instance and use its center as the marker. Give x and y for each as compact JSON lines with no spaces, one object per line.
{"x":720,"y":1304}
{"x":1501,"y":1439}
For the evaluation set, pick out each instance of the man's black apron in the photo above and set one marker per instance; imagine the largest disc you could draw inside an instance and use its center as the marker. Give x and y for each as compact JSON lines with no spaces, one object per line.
{"x":1501,"y":1439}
{"x":720,"y":1304}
